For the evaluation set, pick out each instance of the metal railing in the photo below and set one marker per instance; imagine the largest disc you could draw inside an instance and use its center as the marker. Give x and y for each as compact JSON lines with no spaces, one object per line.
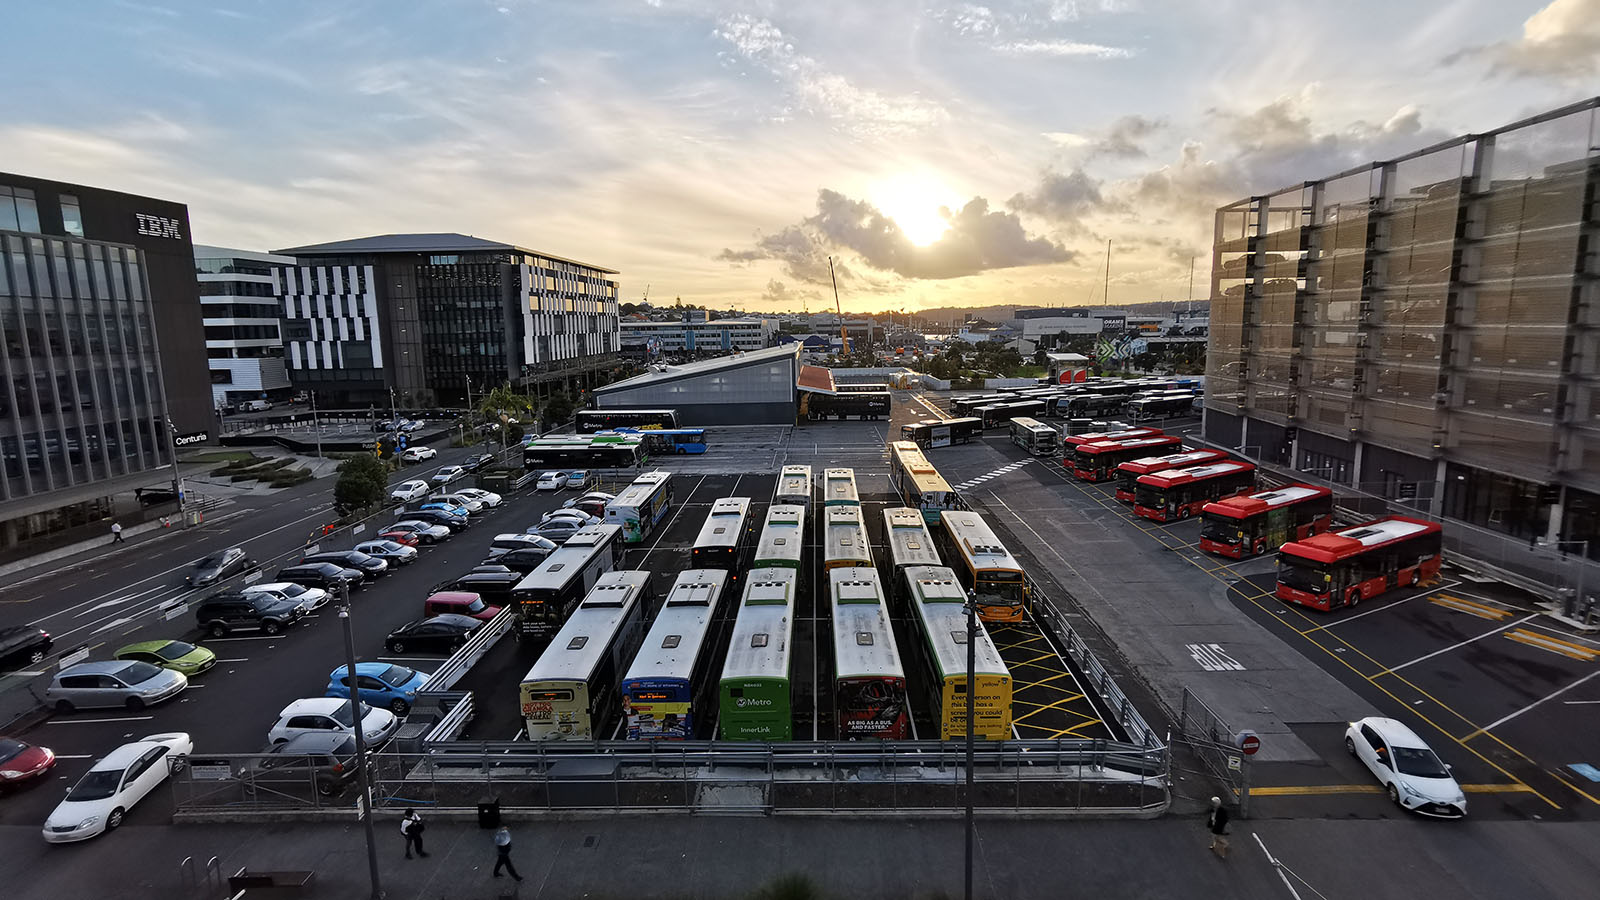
{"x":1111,"y":697}
{"x":1205,"y":732}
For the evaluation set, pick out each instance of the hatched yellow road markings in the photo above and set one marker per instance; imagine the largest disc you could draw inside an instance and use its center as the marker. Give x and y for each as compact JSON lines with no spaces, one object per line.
{"x":1471,"y":608}
{"x":1308,"y":790}
{"x":1554,"y":645}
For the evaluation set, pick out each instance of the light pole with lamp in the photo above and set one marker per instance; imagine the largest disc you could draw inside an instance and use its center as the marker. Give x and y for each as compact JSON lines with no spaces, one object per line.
{"x":972,"y":666}
{"x":316,"y":423}
{"x":363,"y":774}
{"x":177,"y":477}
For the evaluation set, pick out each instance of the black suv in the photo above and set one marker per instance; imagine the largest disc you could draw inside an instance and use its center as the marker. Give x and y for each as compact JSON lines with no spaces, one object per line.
{"x":222,"y":613}
{"x":22,"y":645}
{"x":327,"y":759}
{"x":370,"y":566}
{"x":493,"y":587}
{"x":325,"y":575}
{"x":524,"y":560}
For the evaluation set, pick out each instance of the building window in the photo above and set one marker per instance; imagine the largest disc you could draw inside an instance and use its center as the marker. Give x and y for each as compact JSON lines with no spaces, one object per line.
{"x":18,"y":212}
{"x":71,"y":216}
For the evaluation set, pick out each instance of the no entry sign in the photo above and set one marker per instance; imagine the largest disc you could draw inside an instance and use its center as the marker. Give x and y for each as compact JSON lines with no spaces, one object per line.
{"x":1248,"y":742}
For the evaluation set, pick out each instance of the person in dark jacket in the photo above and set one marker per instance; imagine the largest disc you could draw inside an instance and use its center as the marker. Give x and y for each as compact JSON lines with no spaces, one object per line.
{"x":1217,"y":824}
{"x":411,"y":826}
{"x":502,"y":849}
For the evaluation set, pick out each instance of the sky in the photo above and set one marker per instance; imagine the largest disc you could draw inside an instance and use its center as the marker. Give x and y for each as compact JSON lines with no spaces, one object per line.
{"x":942,"y":154}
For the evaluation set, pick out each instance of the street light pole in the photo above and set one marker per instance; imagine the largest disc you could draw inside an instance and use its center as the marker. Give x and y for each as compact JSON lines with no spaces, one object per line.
{"x":316,"y":423}
{"x":177,"y":477}
{"x":972,"y":666}
{"x":361,"y":743}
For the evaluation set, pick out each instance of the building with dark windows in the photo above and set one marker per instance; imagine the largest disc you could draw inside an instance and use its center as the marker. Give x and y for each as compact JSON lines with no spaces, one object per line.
{"x":244,"y":340}
{"x":102,"y":348}
{"x":437,"y":317}
{"x":1423,"y":329}
{"x":703,"y":336}
{"x":756,"y":388}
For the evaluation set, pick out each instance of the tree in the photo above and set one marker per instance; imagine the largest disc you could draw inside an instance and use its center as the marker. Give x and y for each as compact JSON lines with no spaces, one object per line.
{"x":559,"y":409}
{"x":503,"y":398}
{"x":363,"y":483}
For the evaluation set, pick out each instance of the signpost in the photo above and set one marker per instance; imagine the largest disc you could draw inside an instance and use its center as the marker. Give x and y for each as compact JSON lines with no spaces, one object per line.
{"x":1248,"y":742}
{"x":210,"y":769}
{"x":75,"y":657}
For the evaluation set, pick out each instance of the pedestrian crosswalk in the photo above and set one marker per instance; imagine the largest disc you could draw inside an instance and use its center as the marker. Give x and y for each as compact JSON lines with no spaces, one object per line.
{"x":1003,"y":470}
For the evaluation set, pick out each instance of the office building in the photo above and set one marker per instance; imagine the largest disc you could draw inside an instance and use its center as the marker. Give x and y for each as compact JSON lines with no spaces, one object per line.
{"x":1423,"y":328}
{"x":103,"y":349}
{"x":436,"y":318}
{"x":699,"y":336}
{"x":757,"y":388}
{"x":242,"y":310}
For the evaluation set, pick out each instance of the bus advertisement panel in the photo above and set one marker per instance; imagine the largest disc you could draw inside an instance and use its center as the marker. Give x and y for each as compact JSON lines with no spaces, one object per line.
{"x":1099,"y":461}
{"x":754,"y":692}
{"x":1129,"y":473}
{"x":917,"y":482}
{"x":589,"y":421}
{"x":1179,"y":494}
{"x":666,"y":693}
{"x":638,"y":507}
{"x":869,"y":683}
{"x":938,"y":609}
{"x":1254,"y":524}
{"x":571,"y":692}
{"x":1342,"y":568}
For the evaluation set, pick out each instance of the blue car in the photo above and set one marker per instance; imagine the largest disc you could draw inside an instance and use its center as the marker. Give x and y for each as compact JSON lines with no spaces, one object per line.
{"x":451,"y":508}
{"x":381,"y":684}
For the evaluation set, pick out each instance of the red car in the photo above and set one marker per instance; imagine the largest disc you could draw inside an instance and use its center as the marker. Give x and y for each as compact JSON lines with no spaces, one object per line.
{"x":21,"y":763}
{"x":400,"y":537}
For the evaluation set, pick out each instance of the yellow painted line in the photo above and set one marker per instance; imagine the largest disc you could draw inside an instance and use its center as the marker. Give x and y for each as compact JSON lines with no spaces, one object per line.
{"x":1470,"y":608}
{"x":1497,"y":789}
{"x":1534,"y":639}
{"x":1298,"y":790}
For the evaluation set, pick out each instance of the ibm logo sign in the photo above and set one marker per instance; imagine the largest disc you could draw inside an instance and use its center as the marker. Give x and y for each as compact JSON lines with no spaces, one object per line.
{"x":159,"y":226}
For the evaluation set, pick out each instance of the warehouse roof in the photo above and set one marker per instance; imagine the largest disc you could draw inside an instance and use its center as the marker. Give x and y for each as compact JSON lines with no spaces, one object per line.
{"x":448,"y":242}
{"x":668,"y":374}
{"x":817,"y":380}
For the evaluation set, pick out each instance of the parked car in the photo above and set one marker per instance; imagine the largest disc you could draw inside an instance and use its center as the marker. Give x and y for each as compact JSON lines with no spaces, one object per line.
{"x":579,"y":479}
{"x":410,"y":425}
{"x":590,"y":498}
{"x":525,"y":560}
{"x":179,"y":656}
{"x":308,"y":599}
{"x":436,"y":634}
{"x":112,"y":683}
{"x":417,"y":454}
{"x":403,"y":538}
{"x":575,"y":514}
{"x":471,"y":505}
{"x":410,"y":490}
{"x":447,"y":475}
{"x":439,"y":517}
{"x":22,"y":762}
{"x":326,"y":759}
{"x":551,"y":481}
{"x":220,"y":566}
{"x":115,"y":784}
{"x":23,"y":645}
{"x":370,"y":566}
{"x":475,"y":463}
{"x":559,"y":529}
{"x":385,"y":425}
{"x":392,"y":552}
{"x":1413,"y":776}
{"x":330,"y":714}
{"x":488,"y":498}
{"x":494,"y":587}
{"x":220,"y":614}
{"x":444,"y":506}
{"x":592,"y":506}
{"x":505,"y":543}
{"x":379,"y":684}
{"x":325,"y":575}
{"x":488,"y":567}
{"x":424,"y":532}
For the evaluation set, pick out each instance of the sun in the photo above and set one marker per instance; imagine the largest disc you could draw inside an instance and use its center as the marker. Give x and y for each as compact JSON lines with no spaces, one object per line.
{"x":914,"y":200}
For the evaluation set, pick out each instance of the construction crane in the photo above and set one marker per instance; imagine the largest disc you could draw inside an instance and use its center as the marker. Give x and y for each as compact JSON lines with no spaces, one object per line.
{"x":844,"y":336}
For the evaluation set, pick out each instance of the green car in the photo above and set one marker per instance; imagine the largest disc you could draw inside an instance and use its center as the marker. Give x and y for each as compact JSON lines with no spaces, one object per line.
{"x":178,"y":656}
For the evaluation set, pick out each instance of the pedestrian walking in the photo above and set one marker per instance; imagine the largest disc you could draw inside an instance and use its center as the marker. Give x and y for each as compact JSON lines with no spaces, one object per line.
{"x":116,"y":533}
{"x":411,"y":826}
{"x":1217,"y":824}
{"x":502,"y":849}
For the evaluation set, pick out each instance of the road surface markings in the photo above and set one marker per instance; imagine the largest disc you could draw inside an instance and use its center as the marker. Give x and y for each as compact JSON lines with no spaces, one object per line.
{"x":1554,"y":645}
{"x":98,"y":721}
{"x":930,"y":407}
{"x":1213,"y":658}
{"x":74,"y":756}
{"x":1493,"y":725}
{"x":1310,"y":790}
{"x":1458,"y":644}
{"x":235,"y":659}
{"x":1471,"y":608}
{"x":1003,"y":470}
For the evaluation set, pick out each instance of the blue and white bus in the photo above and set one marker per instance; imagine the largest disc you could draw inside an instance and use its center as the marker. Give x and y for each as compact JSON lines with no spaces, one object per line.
{"x":671,"y":440}
{"x":641,"y":505}
{"x":666,"y":694}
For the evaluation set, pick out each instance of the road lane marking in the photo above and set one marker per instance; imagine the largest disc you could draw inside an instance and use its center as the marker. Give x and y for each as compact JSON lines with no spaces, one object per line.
{"x":1493,"y":725}
{"x":1554,"y":645}
{"x":98,"y":721}
{"x":1471,"y":608}
{"x":74,"y":756}
{"x":1312,"y":790}
{"x":1458,"y":644}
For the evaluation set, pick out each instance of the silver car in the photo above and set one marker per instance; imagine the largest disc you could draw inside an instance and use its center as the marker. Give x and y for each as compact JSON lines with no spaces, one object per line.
{"x":113,"y":683}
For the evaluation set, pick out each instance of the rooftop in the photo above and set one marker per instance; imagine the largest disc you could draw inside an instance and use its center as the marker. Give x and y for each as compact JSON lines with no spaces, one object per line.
{"x":689,"y":370}
{"x":449,"y":242}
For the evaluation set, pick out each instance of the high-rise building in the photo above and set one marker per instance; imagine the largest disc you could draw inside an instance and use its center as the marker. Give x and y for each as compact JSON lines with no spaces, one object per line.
{"x":103,"y":354}
{"x":244,"y":341}
{"x":436,"y":317}
{"x":1424,"y":328}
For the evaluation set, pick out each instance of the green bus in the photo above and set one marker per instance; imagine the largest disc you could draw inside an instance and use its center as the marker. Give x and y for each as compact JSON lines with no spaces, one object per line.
{"x":755,"y":688}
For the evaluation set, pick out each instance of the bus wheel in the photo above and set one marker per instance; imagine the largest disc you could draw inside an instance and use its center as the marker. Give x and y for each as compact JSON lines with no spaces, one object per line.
{"x":1183,"y":512}
{"x":1353,"y":597}
{"x":1261,"y":547}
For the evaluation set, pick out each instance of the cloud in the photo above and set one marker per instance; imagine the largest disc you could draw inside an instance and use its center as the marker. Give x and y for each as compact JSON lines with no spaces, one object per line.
{"x":1073,"y":10}
{"x":1061,"y":48}
{"x":1122,"y":139}
{"x":1060,"y":198}
{"x":970,"y":20}
{"x":978,"y":240}
{"x":785,"y":297}
{"x":1559,"y":42}
{"x":859,"y":111}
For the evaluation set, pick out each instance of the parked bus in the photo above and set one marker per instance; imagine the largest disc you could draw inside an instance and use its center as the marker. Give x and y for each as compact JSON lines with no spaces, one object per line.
{"x":1342,"y":568}
{"x":666,"y":693}
{"x":723,"y":538}
{"x":755,"y":690}
{"x":782,"y":542}
{"x":1098,"y":461}
{"x":1161,"y":406}
{"x":591,"y":420}
{"x":968,"y":406}
{"x":878,"y":388}
{"x":984,"y":566}
{"x":583,"y":452}
{"x":1120,"y":434}
{"x":638,"y":507}
{"x":917,"y":482}
{"x":938,"y":611}
{"x":1181,"y":493}
{"x":869,"y":683}
{"x":1035,"y":437}
{"x":1090,"y":405}
{"x":909,"y":542}
{"x":670,"y":440}
{"x":1000,"y":413}
{"x":839,"y":488}
{"x":942,"y":433}
{"x":844,"y":538}
{"x":857,"y":404}
{"x":571,"y":692}
{"x":1251,"y":525}
{"x":1131,"y":471}
{"x":545,"y":597}
{"x":794,"y":486}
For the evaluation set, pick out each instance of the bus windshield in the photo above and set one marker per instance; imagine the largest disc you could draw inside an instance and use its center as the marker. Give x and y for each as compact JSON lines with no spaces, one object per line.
{"x":1221,"y":530}
{"x":1149,"y":497}
{"x":1302,"y":574}
{"x":999,"y":589}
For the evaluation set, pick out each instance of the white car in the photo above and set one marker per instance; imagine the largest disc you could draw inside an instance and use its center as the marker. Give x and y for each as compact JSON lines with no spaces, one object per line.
{"x":577,"y":515}
{"x":320,"y":715}
{"x":412,"y":425}
{"x":558,"y":529}
{"x":309,"y":599}
{"x":410,"y":490}
{"x":579,"y":478}
{"x":447,"y":474}
{"x":114,"y":785}
{"x":551,"y":481}
{"x":391,"y":552}
{"x":592,"y":495}
{"x":472,"y":505}
{"x":488,"y":498}
{"x":418,"y":454}
{"x":1414,"y":777}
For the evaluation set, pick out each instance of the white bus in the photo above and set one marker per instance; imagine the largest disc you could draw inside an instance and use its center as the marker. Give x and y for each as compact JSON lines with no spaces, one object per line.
{"x":571,"y":692}
{"x":1034,"y":436}
{"x":917,"y":482}
{"x":783,"y":538}
{"x":939,"y":649}
{"x":844,"y":538}
{"x":794,"y":486}
{"x":545,"y":597}
{"x":909,"y":542}
{"x":839,"y":488}
{"x":641,"y":505}
{"x":722,"y":541}
{"x":869,"y":683}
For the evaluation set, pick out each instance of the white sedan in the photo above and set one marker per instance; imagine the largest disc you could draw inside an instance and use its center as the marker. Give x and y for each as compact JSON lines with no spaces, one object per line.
{"x":114,"y":785}
{"x":1414,"y":777}
{"x":602,"y":496}
{"x":471,"y":504}
{"x":322,"y":715}
{"x":410,"y":490}
{"x":309,"y":599}
{"x":487,"y":498}
{"x":447,"y":474}
{"x":551,"y":481}
{"x":418,"y":454}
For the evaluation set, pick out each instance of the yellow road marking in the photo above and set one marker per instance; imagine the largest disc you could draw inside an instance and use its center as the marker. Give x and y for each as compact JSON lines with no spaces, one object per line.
{"x":1307,"y":790}
{"x":1554,"y":645}
{"x":1481,"y":610}
{"x":1497,"y":789}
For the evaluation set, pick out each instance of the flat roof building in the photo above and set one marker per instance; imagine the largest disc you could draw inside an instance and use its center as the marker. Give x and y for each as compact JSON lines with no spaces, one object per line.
{"x":244,"y":338}
{"x":715,"y":335}
{"x":757,"y":388}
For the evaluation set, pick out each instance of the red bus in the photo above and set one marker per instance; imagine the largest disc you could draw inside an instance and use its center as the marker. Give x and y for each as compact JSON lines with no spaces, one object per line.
{"x":1180,"y":493}
{"x":1342,"y":568}
{"x":1251,"y":525}
{"x":1095,"y":437}
{"x":1129,"y":472}
{"x":1099,"y":461}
